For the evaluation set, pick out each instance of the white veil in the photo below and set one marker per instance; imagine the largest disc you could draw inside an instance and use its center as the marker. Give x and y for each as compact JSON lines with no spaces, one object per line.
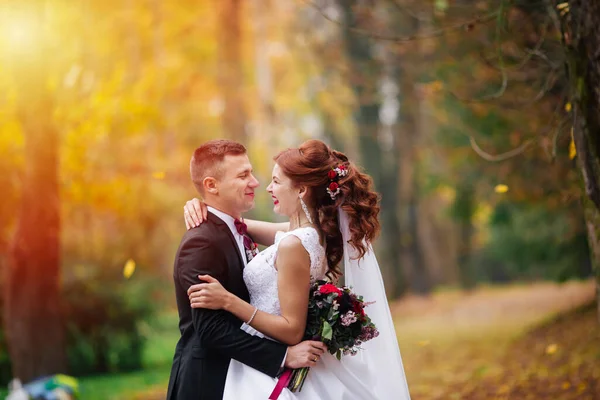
{"x":381,"y":354}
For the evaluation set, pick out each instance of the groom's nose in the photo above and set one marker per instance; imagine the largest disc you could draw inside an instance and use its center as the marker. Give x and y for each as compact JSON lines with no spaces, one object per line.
{"x":253,"y":182}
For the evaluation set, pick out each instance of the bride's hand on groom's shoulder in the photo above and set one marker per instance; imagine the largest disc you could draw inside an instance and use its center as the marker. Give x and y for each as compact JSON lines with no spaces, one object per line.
{"x":210,"y":294}
{"x":305,"y":354}
{"x":194,"y":213}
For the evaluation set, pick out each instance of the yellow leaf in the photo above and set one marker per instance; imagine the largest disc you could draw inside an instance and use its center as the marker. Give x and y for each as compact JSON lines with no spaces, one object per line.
{"x":424,"y":343}
{"x":566,"y":385}
{"x":129,"y":268}
{"x":572,"y":149}
{"x":551,"y":349}
{"x":160,"y":175}
{"x":503,"y":389}
{"x":437,"y":86}
{"x":501,"y":188}
{"x":563,"y":5}
{"x":568,"y":107}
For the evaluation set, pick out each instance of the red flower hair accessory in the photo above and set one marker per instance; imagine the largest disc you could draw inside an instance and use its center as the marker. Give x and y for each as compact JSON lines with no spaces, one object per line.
{"x":334,"y":188}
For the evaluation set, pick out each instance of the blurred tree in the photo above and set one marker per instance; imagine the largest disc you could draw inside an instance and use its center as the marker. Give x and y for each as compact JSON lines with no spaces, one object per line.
{"x":530,"y":242}
{"x":580,"y":23}
{"x":407,"y":64}
{"x":365,"y":72}
{"x":231,"y":67}
{"x":33,"y":316}
{"x":462,"y":212}
{"x":267,"y":122}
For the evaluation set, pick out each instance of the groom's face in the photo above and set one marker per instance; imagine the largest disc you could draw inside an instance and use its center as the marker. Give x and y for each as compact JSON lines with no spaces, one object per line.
{"x":237,"y":184}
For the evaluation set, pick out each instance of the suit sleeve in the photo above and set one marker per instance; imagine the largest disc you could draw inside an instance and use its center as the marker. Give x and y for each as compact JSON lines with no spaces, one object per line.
{"x":215,"y":328}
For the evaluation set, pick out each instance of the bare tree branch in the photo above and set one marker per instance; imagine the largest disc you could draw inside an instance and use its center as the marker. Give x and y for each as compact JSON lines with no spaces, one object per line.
{"x":544,"y":57}
{"x":502,"y":89}
{"x":503,"y":70}
{"x":406,"y":10}
{"x":394,"y":38}
{"x":500,"y":157}
{"x":529,"y":53}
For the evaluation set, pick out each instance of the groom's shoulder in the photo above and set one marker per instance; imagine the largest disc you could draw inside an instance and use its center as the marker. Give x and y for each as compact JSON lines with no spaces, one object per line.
{"x":206,"y":231}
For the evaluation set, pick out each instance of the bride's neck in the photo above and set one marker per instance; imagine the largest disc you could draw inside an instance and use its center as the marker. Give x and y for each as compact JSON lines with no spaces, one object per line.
{"x":299,"y":221}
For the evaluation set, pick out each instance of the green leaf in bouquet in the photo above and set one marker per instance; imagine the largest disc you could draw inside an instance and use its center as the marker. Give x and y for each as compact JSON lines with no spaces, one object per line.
{"x":327,"y":331}
{"x":332,"y":314}
{"x":338,"y":355}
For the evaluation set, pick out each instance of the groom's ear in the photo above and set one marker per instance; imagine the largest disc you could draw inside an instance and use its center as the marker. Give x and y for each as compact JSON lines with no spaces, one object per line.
{"x":210,"y":185}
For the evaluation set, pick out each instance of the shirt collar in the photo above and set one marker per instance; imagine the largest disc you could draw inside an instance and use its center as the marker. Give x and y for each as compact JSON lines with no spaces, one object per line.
{"x":228,"y":219}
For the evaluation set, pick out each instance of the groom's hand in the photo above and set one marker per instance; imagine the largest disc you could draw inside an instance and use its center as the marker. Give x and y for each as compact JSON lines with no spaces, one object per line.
{"x":304,"y":354}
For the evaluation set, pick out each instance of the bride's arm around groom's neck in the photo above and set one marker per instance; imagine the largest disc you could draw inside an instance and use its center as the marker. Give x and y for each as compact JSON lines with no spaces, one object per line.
{"x":264,"y":232}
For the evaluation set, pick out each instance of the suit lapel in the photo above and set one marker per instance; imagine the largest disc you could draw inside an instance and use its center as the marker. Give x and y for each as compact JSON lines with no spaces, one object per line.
{"x":224,"y":227}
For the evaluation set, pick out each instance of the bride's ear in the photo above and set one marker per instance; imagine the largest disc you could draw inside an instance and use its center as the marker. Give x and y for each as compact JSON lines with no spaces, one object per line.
{"x":302,"y":192}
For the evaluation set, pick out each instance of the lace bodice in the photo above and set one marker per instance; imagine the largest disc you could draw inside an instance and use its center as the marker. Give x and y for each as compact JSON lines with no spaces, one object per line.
{"x":260,"y":274}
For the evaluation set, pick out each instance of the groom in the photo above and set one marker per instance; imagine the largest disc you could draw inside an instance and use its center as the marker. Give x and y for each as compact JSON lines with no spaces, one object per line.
{"x":222,"y":174}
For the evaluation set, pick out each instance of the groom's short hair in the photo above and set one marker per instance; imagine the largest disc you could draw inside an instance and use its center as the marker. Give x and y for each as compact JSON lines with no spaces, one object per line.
{"x":208,"y":158}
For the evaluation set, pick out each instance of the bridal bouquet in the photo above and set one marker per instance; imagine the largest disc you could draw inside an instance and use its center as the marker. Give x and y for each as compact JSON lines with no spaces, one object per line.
{"x":336,"y":316}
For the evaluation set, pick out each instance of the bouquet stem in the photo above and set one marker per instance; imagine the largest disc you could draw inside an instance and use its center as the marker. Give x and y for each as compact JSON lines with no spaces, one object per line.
{"x":298,"y":378}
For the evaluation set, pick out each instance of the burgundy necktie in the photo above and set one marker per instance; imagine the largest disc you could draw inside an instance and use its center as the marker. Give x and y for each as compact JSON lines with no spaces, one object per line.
{"x":242,"y":229}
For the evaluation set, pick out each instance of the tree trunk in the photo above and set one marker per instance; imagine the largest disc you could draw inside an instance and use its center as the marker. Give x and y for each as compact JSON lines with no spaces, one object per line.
{"x":33,"y":316}
{"x":407,"y":139}
{"x":464,"y":208}
{"x":409,"y":132}
{"x":267,"y":128}
{"x":231,"y":72}
{"x":365,"y":72}
{"x":581,"y":37}
{"x":132,"y":43}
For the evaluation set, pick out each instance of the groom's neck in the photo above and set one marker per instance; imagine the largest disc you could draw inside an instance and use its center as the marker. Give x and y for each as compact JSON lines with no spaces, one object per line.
{"x":223,"y":209}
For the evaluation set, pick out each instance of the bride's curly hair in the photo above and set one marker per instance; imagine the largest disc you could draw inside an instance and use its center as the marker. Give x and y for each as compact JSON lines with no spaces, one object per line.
{"x":309,"y":165}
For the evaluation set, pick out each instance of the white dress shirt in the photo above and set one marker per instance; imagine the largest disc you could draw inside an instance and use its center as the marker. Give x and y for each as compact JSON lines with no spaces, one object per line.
{"x":230,"y":221}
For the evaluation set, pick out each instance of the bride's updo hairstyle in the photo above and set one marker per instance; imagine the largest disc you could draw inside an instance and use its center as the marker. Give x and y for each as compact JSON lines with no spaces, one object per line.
{"x":317,"y":167}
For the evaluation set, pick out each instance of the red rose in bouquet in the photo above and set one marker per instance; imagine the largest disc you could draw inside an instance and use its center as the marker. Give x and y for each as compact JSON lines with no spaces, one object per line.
{"x":330,"y":288}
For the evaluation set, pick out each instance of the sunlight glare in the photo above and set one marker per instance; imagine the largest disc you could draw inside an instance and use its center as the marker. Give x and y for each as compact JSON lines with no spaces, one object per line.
{"x":19,"y":32}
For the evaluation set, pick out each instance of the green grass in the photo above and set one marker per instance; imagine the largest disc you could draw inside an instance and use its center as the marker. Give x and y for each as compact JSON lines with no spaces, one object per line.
{"x":123,"y":386}
{"x":162,"y":336}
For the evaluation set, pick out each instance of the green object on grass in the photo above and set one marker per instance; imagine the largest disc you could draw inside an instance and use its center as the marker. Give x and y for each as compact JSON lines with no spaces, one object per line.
{"x":63,"y":381}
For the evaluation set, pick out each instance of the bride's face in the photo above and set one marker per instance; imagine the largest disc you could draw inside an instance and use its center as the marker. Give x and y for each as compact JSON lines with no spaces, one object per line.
{"x":284,"y":194}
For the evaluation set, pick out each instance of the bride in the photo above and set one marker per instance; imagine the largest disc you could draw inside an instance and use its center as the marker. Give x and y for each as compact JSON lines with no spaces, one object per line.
{"x":332,"y":213}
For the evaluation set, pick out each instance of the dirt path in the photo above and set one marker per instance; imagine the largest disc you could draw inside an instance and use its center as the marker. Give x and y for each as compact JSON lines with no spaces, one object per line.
{"x":457,"y":346}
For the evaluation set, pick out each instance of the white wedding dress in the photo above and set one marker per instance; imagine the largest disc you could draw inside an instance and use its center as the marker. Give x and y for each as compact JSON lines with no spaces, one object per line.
{"x":352,"y":378}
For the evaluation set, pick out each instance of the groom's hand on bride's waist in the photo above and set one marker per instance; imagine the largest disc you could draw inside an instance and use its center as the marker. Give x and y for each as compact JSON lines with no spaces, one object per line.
{"x":304,"y":354}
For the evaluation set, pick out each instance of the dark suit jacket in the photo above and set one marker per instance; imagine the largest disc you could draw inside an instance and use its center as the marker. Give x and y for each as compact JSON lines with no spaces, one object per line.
{"x":211,"y":338}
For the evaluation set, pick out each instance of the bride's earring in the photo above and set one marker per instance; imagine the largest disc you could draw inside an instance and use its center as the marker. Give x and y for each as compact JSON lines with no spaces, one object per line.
{"x":305,"y":208}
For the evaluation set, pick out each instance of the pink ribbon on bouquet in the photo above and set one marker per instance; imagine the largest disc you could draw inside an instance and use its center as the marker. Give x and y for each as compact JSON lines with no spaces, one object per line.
{"x":282,"y":383}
